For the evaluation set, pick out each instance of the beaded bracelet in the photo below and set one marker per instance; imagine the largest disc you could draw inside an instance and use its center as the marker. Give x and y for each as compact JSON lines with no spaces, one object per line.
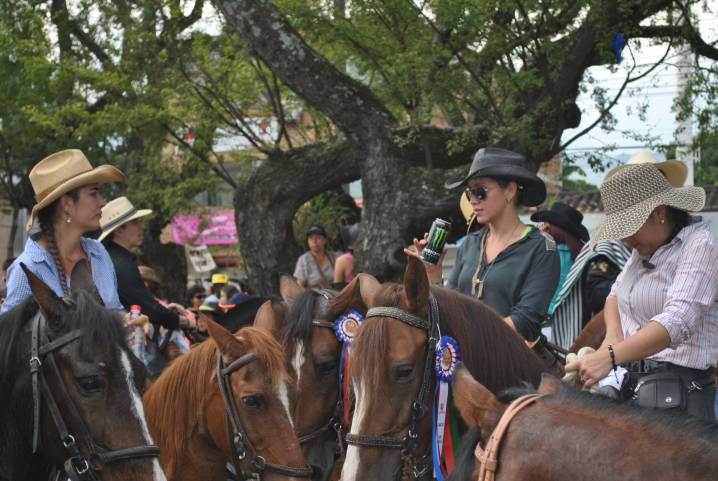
{"x":613,"y":361}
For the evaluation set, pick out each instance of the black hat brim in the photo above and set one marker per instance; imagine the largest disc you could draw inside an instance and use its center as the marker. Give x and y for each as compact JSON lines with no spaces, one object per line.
{"x":578,"y":231}
{"x":534,"y":189}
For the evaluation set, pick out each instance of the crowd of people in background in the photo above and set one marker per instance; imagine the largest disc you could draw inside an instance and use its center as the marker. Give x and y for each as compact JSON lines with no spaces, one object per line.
{"x":649,"y":268}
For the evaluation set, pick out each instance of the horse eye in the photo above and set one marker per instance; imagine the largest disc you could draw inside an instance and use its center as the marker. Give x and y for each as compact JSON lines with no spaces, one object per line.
{"x":90,"y":383}
{"x":253,"y":402}
{"x":404,"y":373}
{"x":327,"y":367}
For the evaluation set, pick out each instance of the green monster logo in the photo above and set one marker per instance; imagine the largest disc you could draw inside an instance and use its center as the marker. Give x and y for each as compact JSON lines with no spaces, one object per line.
{"x":439,"y":238}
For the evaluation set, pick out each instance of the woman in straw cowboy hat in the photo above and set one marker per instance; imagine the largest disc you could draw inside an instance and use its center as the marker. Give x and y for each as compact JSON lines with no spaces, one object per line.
{"x":512,"y":267}
{"x":69,"y":205}
{"x":661,"y":315}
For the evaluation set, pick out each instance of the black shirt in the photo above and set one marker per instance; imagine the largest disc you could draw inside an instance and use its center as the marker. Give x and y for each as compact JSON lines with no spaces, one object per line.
{"x":132,"y":290}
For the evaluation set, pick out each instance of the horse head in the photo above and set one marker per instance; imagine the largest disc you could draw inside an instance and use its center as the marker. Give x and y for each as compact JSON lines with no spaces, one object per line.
{"x":85,"y":383}
{"x":388,"y":365}
{"x":313,"y":357}
{"x":257,"y":399}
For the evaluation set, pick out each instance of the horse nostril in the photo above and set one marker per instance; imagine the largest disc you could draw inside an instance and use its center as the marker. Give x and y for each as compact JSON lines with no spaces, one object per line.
{"x":316,"y":473}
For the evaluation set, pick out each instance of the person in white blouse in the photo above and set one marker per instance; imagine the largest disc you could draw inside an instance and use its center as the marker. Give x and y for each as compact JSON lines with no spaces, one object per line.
{"x":662,"y":313}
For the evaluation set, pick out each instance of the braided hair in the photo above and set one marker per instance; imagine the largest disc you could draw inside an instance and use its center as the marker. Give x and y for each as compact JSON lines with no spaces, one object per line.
{"x":45,"y":218}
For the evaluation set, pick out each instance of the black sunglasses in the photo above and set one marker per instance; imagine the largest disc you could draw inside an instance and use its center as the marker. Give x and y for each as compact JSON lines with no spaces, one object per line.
{"x":478,"y":192}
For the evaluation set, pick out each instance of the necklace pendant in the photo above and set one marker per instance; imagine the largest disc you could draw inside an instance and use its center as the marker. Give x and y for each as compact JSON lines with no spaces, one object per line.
{"x":480,"y":289}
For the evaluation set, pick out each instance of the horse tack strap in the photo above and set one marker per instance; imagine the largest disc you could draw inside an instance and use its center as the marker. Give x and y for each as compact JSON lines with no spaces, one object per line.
{"x":399,"y":314}
{"x":376,"y":441}
{"x":488,"y":457}
{"x":326,"y":324}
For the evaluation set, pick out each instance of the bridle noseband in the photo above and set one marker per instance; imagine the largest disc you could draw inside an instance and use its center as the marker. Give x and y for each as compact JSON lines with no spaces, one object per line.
{"x":244,"y":455}
{"x":76,"y":466}
{"x":409,"y":443}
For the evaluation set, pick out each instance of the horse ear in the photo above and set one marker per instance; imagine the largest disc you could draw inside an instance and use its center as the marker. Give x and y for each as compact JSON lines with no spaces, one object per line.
{"x":229,"y":346}
{"x":289,"y":288}
{"x":416,"y":285}
{"x":476,"y":404}
{"x":266,"y":318}
{"x":549,"y":385}
{"x":81,"y":279}
{"x":359,"y":294}
{"x":50,"y":304}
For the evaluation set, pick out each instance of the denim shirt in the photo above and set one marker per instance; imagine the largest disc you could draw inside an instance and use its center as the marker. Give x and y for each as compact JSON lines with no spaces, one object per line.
{"x":42,"y":264}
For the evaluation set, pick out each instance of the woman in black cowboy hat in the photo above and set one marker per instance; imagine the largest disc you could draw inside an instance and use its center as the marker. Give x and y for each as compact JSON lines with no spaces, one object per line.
{"x":510,"y":266}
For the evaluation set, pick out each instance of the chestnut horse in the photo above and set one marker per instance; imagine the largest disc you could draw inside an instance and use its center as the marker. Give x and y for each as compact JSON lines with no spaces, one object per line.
{"x":187,"y":409}
{"x":388,"y":362}
{"x":313,"y":353}
{"x":568,"y":435}
{"x":87,"y":410}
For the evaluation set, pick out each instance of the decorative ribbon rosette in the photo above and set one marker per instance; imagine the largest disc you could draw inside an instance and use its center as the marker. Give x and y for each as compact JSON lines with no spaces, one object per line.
{"x":444,"y":435}
{"x":345,"y":328}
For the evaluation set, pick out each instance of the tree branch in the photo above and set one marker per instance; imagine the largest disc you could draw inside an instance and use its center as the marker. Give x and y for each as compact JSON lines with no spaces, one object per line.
{"x":685,"y":32}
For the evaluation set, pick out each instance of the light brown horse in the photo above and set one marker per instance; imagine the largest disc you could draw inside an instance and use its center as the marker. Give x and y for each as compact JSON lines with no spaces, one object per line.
{"x":388,"y":361}
{"x":187,"y":416}
{"x":569,"y":435}
{"x":591,"y":335}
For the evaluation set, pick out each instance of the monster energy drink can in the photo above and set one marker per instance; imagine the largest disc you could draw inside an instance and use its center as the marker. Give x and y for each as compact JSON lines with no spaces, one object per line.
{"x":438,"y":234}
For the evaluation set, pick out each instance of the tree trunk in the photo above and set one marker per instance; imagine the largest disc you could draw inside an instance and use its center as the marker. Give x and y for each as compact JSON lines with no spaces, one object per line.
{"x":168,"y":260}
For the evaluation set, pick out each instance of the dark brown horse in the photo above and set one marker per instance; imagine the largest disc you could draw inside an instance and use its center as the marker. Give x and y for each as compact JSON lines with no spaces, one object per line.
{"x":86,"y":375}
{"x":313,"y":353}
{"x":569,"y":435}
{"x":388,"y":360}
{"x":187,"y":414}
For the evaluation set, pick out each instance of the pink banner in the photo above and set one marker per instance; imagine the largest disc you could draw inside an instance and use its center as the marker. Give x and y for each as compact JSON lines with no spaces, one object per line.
{"x":217,"y":228}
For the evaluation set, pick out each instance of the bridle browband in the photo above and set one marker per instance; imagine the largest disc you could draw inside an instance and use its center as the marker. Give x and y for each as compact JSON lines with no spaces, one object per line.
{"x":76,"y":466}
{"x":335,"y":421}
{"x":244,"y":452}
{"x":409,"y":443}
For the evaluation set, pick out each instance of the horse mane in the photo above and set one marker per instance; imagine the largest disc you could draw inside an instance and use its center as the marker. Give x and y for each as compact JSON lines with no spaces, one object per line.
{"x":299,"y":325}
{"x":190,"y":381}
{"x":484,"y":339}
{"x":100,"y":327}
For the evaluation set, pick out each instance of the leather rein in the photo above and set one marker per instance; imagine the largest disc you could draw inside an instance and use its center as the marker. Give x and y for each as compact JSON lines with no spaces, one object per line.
{"x":245,"y":460}
{"x":409,"y":443}
{"x":42,"y":363}
{"x":488,"y":457}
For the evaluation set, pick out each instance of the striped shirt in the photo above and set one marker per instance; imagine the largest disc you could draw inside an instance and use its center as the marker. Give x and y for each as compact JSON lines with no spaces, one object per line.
{"x":42,"y":264}
{"x":680,"y":293}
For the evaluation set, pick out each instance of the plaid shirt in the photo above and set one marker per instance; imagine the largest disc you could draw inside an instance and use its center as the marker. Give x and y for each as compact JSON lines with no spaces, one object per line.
{"x":42,"y":264}
{"x":680,"y":293}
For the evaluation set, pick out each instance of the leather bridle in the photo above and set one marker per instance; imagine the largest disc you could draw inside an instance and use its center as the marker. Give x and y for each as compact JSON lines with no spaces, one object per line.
{"x":42,"y":363}
{"x":247,"y":463}
{"x":409,"y":443}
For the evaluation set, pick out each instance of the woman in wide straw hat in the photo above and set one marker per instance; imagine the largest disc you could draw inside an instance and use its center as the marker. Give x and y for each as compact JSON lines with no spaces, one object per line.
{"x":661,"y":315}
{"x":512,"y":267}
{"x":69,"y":205}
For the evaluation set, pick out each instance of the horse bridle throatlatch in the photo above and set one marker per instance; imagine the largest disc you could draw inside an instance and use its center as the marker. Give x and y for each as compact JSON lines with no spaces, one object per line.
{"x":42,"y":361}
{"x":409,"y":443}
{"x":244,"y":455}
{"x":335,"y":422}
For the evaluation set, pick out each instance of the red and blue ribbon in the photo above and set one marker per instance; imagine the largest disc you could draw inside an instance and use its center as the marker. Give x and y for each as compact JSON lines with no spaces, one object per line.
{"x":442,"y":442}
{"x":345,"y":328}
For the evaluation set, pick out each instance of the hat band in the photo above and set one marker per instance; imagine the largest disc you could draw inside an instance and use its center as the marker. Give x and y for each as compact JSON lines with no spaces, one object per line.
{"x":119,"y":220}
{"x":39,"y":197}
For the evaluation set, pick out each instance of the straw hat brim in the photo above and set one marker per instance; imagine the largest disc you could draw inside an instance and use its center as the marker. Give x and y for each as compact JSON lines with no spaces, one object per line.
{"x":136,"y":215}
{"x":626,"y":222}
{"x":103,"y":174}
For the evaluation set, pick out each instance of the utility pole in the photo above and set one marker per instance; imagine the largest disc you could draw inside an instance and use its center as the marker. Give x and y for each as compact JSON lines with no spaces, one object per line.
{"x":684,"y":128}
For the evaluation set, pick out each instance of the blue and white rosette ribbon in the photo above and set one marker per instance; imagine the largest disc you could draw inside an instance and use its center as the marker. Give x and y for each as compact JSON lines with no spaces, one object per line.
{"x":447,"y":357}
{"x":345,"y":328}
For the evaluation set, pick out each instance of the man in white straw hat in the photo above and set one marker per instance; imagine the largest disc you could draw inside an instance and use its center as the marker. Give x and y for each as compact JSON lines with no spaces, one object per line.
{"x":123,"y":231}
{"x":662,"y":313}
{"x":68,"y":205}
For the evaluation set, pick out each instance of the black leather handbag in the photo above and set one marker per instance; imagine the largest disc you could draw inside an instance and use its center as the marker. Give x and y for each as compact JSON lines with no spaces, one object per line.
{"x":663,"y":390}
